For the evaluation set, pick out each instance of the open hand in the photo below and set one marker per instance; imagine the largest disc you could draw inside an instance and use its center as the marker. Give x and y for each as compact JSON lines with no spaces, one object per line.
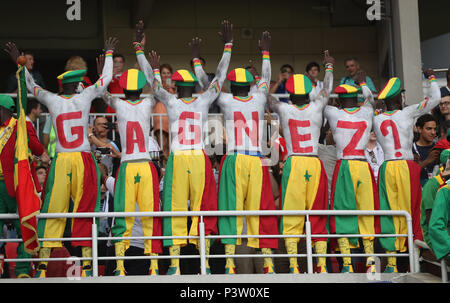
{"x":154,"y":59}
{"x":226,"y":35}
{"x":194,"y":45}
{"x":13,"y":51}
{"x":139,"y":36}
{"x":111,"y":43}
{"x":265,"y":42}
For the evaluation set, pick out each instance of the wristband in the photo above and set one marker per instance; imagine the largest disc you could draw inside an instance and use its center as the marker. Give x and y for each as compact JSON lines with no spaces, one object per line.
{"x":108,"y":53}
{"x":156,"y":72}
{"x":432,"y":78}
{"x":197,"y":62}
{"x":228,"y":47}
{"x":138,"y":46}
{"x":363,"y":84}
{"x":329,"y":67}
{"x":265,"y":55}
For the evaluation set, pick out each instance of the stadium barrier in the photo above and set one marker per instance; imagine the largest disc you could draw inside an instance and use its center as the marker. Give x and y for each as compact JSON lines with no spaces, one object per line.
{"x":411,"y":254}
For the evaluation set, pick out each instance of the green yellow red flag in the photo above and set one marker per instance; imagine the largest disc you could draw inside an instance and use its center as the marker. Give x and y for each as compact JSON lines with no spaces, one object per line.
{"x":28,"y":200}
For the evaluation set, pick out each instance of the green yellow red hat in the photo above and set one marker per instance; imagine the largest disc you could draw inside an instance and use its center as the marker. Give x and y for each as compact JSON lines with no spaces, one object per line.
{"x":346,"y":91}
{"x":183,"y":77}
{"x":132,"y":80}
{"x":299,"y":84}
{"x":7,"y":102}
{"x":72,"y":76}
{"x":240,"y":76}
{"x":392,"y":88}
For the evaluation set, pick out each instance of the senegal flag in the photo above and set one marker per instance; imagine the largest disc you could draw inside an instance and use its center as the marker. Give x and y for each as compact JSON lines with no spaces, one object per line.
{"x":28,"y":201}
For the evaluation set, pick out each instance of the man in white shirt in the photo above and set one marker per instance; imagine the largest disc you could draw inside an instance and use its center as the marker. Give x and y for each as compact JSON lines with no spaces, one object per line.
{"x":374,"y":154}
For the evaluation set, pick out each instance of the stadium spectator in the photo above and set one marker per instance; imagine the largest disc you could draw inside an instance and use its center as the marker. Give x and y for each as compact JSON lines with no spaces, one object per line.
{"x":374,"y":154}
{"x":279,"y":87}
{"x":312,"y":72}
{"x":49,"y":137}
{"x":119,"y":67}
{"x":429,"y":192}
{"x":12,"y":81}
{"x":353,"y":67}
{"x":98,"y":138}
{"x":76,"y":63}
{"x":41,"y":172}
{"x":161,"y":124}
{"x":327,"y":154}
{"x":439,"y":224}
{"x":423,"y":147}
{"x":442,"y":112}
{"x":445,"y":91}
{"x":33,"y":112}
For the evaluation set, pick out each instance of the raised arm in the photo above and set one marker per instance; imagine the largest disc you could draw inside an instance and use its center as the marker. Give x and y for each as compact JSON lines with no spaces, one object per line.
{"x":150,"y":69}
{"x":41,"y":94}
{"x":100,"y":87}
{"x":266,"y":71}
{"x":324,"y":95}
{"x":226,"y":35}
{"x":200,"y":73}
{"x":428,"y":104}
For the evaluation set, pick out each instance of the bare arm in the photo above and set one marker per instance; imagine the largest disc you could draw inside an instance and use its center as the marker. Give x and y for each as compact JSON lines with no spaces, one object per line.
{"x":324,"y":95}
{"x":100,"y":87}
{"x":150,"y":69}
{"x":216,"y":84}
{"x":428,"y":104}
{"x":198,"y":67}
{"x":266,"y":71}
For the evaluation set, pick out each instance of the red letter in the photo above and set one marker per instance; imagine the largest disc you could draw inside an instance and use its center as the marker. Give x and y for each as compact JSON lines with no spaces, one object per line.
{"x":76,"y":130}
{"x":133,"y":128}
{"x":240,"y":123}
{"x":350,"y":149}
{"x":193,"y":128}
{"x":296,"y":138}
{"x":384,"y":130}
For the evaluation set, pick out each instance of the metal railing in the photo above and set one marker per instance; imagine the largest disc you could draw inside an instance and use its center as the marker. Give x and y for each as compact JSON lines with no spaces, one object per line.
{"x":202,"y":237}
{"x":417,"y":259}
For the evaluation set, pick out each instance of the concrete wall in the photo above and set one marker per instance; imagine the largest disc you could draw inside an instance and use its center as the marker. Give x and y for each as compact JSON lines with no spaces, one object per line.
{"x":300,"y":33}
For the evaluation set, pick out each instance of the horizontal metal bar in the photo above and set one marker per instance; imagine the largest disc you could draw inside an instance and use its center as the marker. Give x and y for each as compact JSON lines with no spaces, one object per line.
{"x":219,"y":213}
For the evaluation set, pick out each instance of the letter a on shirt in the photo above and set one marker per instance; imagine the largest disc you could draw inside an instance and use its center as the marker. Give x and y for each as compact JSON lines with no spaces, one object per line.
{"x":135,"y":135}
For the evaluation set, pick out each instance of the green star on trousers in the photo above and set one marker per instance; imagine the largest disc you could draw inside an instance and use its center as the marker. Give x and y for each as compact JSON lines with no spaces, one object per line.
{"x":70,"y":176}
{"x":307,"y":176}
{"x":358,"y":183}
{"x":137,"y":178}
